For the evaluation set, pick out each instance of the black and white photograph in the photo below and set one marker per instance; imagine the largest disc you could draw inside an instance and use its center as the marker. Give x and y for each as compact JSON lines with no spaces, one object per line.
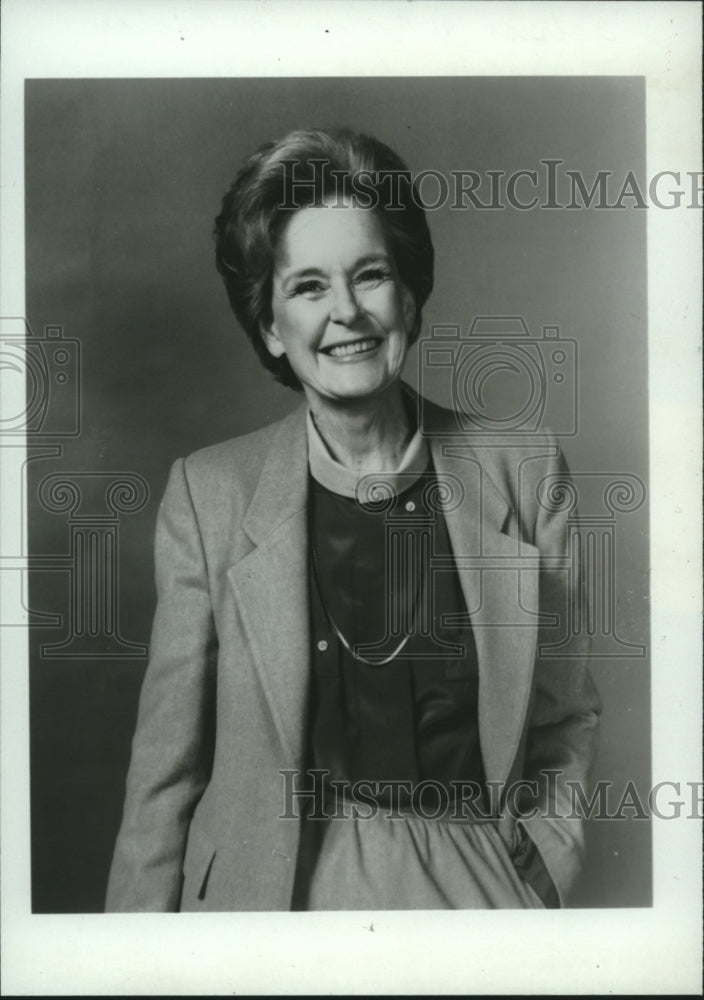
{"x":350,"y":571}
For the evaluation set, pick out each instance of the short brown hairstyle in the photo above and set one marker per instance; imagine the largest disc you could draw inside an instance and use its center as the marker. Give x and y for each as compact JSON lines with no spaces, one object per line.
{"x":298,"y":171}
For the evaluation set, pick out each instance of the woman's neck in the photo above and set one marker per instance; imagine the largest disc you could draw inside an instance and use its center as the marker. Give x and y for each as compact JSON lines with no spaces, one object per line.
{"x":369,"y":435}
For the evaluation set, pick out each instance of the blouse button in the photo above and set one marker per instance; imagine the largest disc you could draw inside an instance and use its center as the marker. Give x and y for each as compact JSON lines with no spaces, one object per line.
{"x":322,"y":645}
{"x":410,"y":506}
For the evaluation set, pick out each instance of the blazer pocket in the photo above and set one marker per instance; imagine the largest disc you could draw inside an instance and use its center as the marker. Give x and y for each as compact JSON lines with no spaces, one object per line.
{"x":197,"y":866}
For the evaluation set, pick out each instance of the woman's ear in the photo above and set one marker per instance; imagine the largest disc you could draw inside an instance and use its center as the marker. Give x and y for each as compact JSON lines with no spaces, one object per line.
{"x":273,"y":342}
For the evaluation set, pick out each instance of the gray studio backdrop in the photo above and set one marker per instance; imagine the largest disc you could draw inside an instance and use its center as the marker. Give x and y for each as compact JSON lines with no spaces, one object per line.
{"x":123,"y":179}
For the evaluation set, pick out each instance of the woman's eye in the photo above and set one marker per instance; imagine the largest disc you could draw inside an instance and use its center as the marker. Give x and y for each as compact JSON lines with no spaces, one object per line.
{"x":307,"y":287}
{"x":372,"y":275}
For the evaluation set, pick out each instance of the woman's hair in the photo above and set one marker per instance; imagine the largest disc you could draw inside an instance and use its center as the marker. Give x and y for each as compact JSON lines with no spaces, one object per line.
{"x":299,"y":171}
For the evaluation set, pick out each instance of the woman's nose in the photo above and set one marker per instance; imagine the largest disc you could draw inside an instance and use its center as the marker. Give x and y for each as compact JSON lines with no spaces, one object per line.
{"x":345,"y":307}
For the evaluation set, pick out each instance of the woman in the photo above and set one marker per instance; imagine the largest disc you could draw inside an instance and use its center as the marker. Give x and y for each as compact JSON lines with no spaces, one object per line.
{"x":344,"y":689}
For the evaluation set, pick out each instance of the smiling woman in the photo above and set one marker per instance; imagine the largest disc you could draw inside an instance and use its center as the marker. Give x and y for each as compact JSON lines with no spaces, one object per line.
{"x":342,"y":318}
{"x":346,"y":692}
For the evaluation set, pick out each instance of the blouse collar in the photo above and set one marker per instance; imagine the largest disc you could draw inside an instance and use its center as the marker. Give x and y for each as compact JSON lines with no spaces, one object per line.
{"x":327,"y":471}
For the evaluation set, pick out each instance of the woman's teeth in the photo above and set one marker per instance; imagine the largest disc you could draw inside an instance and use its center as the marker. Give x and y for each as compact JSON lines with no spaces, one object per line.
{"x":342,"y":350}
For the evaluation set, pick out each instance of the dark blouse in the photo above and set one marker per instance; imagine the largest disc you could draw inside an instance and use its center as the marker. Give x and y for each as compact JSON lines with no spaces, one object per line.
{"x":414,"y":718}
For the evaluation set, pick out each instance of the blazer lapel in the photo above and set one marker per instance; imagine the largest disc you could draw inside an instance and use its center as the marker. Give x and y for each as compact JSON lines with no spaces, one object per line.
{"x":499,"y":577}
{"x":271,"y":582}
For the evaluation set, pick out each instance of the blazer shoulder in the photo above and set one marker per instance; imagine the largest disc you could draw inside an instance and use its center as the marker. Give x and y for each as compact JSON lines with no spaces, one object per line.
{"x":234,"y":465}
{"x":503,"y":453}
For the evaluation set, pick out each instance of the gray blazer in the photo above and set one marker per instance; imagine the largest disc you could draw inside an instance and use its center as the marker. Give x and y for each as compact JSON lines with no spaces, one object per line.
{"x":223,"y":704}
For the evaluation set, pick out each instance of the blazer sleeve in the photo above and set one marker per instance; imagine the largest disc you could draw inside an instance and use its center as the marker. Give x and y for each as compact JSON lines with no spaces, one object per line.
{"x":562,"y":731}
{"x":173,"y":744}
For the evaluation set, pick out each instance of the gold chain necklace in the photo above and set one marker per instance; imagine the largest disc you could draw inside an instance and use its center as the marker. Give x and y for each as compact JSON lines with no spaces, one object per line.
{"x":338,"y":632}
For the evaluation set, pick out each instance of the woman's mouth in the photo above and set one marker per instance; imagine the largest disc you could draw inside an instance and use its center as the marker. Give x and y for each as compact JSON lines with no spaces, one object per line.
{"x":352,"y":348}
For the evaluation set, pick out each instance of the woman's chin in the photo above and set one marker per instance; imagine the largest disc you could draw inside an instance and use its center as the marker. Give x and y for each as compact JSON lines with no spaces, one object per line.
{"x":356,"y":386}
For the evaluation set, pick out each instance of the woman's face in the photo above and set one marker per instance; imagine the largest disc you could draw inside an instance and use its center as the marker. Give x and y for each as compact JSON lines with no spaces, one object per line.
{"x":340,"y":312}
